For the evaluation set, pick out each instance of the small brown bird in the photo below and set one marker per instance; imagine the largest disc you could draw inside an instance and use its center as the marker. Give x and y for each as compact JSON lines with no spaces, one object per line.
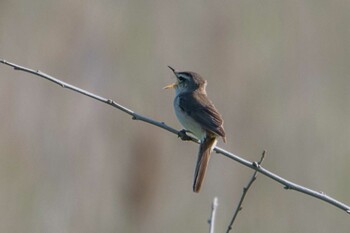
{"x":199,"y":116}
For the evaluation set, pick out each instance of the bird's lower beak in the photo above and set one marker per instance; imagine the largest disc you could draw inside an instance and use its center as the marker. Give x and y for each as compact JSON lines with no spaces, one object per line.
{"x":173,"y":85}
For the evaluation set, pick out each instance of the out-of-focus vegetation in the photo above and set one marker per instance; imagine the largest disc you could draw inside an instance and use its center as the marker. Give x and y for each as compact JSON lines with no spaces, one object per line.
{"x":278,"y":71}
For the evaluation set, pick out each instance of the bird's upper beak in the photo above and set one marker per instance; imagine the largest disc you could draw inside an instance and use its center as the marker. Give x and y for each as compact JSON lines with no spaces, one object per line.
{"x":173,"y":85}
{"x":173,"y":70}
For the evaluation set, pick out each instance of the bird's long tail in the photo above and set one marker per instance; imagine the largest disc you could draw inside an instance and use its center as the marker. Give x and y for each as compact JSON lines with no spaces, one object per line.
{"x":202,"y":161}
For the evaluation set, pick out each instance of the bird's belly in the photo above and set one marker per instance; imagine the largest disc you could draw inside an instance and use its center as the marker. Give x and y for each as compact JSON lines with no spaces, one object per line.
{"x":187,"y":122}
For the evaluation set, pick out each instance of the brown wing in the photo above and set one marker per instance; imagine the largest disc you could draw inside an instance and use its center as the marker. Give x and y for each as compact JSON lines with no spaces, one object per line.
{"x":199,"y":107}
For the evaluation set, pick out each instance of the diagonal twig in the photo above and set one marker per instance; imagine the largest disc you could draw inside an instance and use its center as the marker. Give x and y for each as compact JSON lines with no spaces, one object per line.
{"x":135,"y":116}
{"x":245,"y":190}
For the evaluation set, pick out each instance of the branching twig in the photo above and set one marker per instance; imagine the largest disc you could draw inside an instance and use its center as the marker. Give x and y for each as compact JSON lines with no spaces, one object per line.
{"x":245,"y":190}
{"x":211,"y":221}
{"x":135,"y":116}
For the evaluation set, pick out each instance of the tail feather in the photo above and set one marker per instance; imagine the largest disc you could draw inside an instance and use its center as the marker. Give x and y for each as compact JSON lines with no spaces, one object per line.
{"x":202,"y":161}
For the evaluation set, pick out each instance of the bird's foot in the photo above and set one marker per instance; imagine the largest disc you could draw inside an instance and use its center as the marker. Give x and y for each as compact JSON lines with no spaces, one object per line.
{"x":183,"y":135}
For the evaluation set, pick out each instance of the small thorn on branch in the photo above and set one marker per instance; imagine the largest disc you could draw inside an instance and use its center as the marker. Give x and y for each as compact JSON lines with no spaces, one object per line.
{"x":262,"y":157}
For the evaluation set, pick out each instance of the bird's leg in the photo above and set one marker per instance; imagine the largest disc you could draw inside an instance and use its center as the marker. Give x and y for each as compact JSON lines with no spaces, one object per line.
{"x":183,"y":135}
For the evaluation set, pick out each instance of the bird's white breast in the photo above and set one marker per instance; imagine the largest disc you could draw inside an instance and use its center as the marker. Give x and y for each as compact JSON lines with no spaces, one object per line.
{"x":187,"y":122}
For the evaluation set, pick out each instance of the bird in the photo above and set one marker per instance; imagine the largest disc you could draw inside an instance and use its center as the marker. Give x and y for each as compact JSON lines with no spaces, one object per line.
{"x":198,"y":115}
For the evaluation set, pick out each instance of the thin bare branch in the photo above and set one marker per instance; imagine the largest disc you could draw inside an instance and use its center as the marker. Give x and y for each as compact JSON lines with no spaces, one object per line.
{"x":245,"y":190}
{"x":211,"y":221}
{"x":135,"y":116}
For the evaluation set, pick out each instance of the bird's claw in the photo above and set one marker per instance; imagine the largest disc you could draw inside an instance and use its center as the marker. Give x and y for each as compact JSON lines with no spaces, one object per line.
{"x":183,"y":135}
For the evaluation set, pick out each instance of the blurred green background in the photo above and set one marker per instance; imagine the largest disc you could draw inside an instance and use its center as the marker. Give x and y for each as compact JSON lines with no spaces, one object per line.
{"x":278,"y":71}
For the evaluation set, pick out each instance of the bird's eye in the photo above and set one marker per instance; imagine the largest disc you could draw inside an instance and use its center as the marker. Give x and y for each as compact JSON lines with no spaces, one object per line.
{"x":181,"y":79}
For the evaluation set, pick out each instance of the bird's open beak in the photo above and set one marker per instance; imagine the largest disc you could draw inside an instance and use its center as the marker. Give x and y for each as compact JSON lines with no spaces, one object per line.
{"x":173,"y":85}
{"x":172,"y":69}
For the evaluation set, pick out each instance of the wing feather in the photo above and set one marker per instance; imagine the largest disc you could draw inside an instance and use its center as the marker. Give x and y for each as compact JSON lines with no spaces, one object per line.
{"x":202,"y":110}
